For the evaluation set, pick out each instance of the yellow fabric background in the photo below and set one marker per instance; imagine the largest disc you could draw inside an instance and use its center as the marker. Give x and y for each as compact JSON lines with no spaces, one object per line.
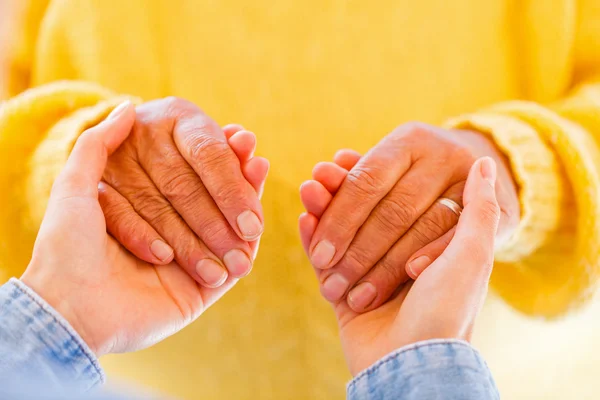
{"x":310,"y":77}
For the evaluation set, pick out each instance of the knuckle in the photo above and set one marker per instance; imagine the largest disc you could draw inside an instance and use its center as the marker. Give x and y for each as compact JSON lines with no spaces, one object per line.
{"x":341,"y":225}
{"x":160,"y":215}
{"x":413,"y":130}
{"x":397,"y":212}
{"x":393,"y":268}
{"x":356,"y":260}
{"x":153,"y":207}
{"x":185,"y":246}
{"x":365,"y":182}
{"x":215,"y":230}
{"x":121,"y":221}
{"x":354,"y":264}
{"x":175,"y":105}
{"x":228,"y":196}
{"x":182,"y":188}
{"x":114,"y":211}
{"x":126,"y":228}
{"x":430,"y":227}
{"x":206,"y":148}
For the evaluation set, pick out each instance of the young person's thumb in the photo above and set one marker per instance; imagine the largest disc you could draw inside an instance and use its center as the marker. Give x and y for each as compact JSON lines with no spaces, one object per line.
{"x":86,"y":164}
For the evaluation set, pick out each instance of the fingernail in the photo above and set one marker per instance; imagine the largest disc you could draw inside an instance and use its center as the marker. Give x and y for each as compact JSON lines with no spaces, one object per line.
{"x":362,"y":296}
{"x":334,"y":287}
{"x":418,"y":265}
{"x":237,"y":262}
{"x":322,"y":254}
{"x":249,"y":225}
{"x":488,"y":170}
{"x":161,"y":250}
{"x":115,"y":113}
{"x":211,"y":273}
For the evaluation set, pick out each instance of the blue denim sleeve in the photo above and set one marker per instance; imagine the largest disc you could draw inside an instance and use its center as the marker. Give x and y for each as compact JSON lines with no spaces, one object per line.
{"x":36,"y":342}
{"x":432,"y":369}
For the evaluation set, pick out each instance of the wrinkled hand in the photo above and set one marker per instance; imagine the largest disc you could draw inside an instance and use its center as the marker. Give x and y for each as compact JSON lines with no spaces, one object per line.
{"x":444,"y":300}
{"x":385,"y":209}
{"x":176,"y":186}
{"x":115,"y":301}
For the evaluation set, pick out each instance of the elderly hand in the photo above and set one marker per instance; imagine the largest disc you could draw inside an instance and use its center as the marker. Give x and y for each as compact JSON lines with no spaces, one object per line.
{"x":444,"y":300}
{"x":115,"y":301}
{"x":386,"y":208}
{"x":176,"y":186}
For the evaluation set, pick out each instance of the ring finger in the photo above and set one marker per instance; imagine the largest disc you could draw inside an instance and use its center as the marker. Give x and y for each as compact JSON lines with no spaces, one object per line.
{"x":390,"y":220}
{"x":382,"y":280}
{"x":182,"y":187}
{"x":190,"y":252}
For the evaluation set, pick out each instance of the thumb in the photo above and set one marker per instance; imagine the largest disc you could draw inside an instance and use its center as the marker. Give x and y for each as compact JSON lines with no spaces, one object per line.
{"x":472,"y":246}
{"x":86,"y":164}
{"x":449,"y":294}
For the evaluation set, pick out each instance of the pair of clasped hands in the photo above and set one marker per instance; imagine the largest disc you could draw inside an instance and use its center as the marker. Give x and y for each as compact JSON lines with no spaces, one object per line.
{"x":157,"y":214}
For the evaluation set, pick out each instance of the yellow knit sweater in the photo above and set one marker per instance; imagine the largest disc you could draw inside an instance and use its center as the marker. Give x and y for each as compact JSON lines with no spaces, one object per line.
{"x":310,"y":77}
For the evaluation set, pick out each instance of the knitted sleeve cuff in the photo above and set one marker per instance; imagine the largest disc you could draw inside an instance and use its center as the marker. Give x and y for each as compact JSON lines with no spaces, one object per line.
{"x":551,"y":265}
{"x":537,"y":175}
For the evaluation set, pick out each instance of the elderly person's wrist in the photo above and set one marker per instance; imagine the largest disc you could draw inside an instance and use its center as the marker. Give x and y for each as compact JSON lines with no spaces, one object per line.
{"x":481,"y":145}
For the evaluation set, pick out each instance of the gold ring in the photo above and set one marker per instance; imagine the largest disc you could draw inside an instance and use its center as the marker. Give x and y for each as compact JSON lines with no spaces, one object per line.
{"x":451,"y":204}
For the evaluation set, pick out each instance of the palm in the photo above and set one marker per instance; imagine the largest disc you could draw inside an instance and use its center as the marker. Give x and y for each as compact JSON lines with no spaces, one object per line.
{"x":366,"y":337}
{"x":142,"y":303}
{"x":147,"y":302}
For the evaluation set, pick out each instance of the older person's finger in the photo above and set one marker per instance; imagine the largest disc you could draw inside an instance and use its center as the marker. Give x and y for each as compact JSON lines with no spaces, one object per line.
{"x":191,"y":253}
{"x":230,"y":129}
{"x":406,"y":219}
{"x":307,"y":223}
{"x":365,"y":185}
{"x":204,"y":146}
{"x":330,"y":175}
{"x":347,"y":158}
{"x":84,"y":169}
{"x":382,"y":280}
{"x":243,"y":143}
{"x":315,"y":197}
{"x":406,"y":175}
{"x":420,"y":260}
{"x":256,"y":171}
{"x":130,"y":229}
{"x":181,"y":186}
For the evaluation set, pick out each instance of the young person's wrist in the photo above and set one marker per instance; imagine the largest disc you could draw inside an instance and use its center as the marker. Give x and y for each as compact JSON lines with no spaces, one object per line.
{"x":61,"y":299}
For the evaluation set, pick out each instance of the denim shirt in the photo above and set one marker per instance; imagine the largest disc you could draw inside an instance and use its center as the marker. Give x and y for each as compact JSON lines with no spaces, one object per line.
{"x":42,"y":357}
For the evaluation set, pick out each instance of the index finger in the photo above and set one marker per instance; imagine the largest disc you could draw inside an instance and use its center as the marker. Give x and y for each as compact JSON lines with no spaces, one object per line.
{"x":364,"y":187}
{"x":204,"y":146}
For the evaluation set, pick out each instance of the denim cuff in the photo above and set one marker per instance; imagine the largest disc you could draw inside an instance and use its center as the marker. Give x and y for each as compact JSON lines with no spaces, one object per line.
{"x":36,"y":340}
{"x":431,"y":369}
